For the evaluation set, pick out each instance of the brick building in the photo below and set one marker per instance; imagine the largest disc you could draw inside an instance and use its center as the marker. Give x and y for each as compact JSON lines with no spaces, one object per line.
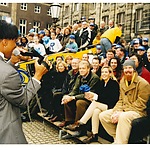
{"x":27,"y":15}
{"x":135,"y":17}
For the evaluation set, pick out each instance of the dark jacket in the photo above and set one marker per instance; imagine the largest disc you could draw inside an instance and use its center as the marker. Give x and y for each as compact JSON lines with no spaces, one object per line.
{"x":108,"y":94}
{"x":92,"y":80}
{"x":69,"y":82}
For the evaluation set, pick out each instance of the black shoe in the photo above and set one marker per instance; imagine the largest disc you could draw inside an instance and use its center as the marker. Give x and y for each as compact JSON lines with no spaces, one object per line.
{"x":92,"y":138}
{"x":79,"y":133}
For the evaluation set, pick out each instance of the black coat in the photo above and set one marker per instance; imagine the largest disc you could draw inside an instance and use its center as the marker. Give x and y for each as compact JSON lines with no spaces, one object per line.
{"x":108,"y":94}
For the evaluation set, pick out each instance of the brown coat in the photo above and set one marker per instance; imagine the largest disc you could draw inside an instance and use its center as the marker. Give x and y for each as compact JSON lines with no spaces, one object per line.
{"x":134,"y":97}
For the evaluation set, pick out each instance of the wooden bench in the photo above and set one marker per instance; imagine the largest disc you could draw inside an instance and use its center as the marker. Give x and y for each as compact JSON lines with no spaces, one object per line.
{"x":70,"y":134}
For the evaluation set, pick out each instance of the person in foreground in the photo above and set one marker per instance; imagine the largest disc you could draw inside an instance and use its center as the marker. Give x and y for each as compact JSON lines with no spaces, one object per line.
{"x":134,"y":94}
{"x":107,"y":98}
{"x":12,"y":94}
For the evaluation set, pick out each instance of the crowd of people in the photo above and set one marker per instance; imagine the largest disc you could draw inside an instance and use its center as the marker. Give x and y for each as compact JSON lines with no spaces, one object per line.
{"x":112,"y":88}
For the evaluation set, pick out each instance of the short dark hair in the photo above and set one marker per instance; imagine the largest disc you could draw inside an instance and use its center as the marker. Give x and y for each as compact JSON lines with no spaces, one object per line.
{"x":8,"y":31}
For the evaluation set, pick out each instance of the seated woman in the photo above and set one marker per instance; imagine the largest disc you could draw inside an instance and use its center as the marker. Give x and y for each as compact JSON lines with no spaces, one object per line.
{"x":58,"y":79}
{"x":116,"y":66}
{"x":108,"y":95}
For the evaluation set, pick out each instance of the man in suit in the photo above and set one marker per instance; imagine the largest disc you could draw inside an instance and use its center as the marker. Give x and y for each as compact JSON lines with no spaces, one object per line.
{"x":12,"y":95}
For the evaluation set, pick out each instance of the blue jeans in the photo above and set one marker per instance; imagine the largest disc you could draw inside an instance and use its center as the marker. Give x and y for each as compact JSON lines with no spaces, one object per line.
{"x":106,"y":44}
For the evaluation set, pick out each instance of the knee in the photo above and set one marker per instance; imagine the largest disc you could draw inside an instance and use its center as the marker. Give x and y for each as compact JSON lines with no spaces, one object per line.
{"x":101,"y":116}
{"x":96,"y":111}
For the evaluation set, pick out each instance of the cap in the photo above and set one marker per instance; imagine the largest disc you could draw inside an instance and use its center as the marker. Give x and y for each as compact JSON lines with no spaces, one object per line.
{"x":92,"y":24}
{"x":136,"y":42}
{"x":98,"y":47}
{"x":72,"y":36}
{"x":145,"y":39}
{"x":31,"y":30}
{"x":118,"y":46}
{"x":91,"y":18}
{"x":142,"y":48}
{"x":130,"y":62}
{"x":41,"y":32}
{"x":113,"y":45}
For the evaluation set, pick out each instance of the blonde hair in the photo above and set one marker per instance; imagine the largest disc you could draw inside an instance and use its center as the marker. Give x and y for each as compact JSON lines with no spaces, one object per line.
{"x":63,"y":63}
{"x":110,"y":71}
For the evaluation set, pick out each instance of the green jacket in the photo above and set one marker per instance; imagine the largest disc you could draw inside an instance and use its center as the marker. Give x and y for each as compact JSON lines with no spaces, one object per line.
{"x":92,"y":80}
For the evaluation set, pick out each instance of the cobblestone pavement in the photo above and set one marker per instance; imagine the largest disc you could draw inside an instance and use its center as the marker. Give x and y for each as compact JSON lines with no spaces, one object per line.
{"x":38,"y":132}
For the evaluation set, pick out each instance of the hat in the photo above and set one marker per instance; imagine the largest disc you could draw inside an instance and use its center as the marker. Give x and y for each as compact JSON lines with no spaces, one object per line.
{"x":130,"y":62}
{"x":142,"y":48}
{"x":41,"y":32}
{"x":98,"y":47}
{"x":91,"y":18}
{"x":92,"y":24}
{"x":72,"y":36}
{"x":31,"y":30}
{"x":145,"y":39}
{"x":118,"y":46}
{"x":136,"y":42}
{"x":114,"y":45}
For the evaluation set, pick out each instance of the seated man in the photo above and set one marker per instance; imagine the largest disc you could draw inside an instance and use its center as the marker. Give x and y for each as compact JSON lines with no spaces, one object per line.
{"x":134,"y":94}
{"x":75,"y":103}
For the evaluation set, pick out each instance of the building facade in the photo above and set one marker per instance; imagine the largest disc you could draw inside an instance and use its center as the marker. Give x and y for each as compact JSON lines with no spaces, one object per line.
{"x":135,"y":17}
{"x":27,"y":15}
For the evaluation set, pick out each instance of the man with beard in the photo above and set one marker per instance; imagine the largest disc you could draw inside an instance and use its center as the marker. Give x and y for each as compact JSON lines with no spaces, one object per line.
{"x":134,"y":94}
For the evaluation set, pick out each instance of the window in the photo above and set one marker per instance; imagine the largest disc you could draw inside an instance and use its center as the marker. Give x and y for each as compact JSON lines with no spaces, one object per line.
{"x":121,"y":19}
{"x":76,"y":7}
{"x":49,"y":12}
{"x":36,"y":26}
{"x":105,"y":19}
{"x":4,"y":4}
{"x":37,"y":9}
{"x":138,"y":19}
{"x":93,"y":6}
{"x":48,"y":26}
{"x":66,"y":10}
{"x":23,"y":26}
{"x":23,"y":6}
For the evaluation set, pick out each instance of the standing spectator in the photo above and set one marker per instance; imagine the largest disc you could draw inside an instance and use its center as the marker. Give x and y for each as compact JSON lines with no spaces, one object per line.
{"x":109,"y":37}
{"x":107,"y":98}
{"x":54,"y":44}
{"x":84,"y":36}
{"x":59,"y":35}
{"x":75,"y":103}
{"x":145,"y":43}
{"x":41,"y":34}
{"x":141,"y":70}
{"x":38,"y":46}
{"x":65,"y":38}
{"x":120,"y":53}
{"x":134,"y":94}
{"x":136,"y":44}
{"x":111,"y":24}
{"x":103,"y":27}
{"x":92,"y":20}
{"x":13,"y":96}
{"x":142,"y":52}
{"x":71,"y":45}
{"x":93,"y":33}
{"x":116,"y":66}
